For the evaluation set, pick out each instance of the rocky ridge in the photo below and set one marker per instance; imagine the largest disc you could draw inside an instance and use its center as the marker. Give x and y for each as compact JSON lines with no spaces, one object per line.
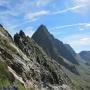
{"x":29,"y":65}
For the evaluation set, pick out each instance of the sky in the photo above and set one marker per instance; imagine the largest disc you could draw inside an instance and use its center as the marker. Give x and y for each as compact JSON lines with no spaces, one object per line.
{"x":67,"y":20}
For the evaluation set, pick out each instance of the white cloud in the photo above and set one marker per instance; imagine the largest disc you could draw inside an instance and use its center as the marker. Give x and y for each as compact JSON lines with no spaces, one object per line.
{"x":82,"y":29}
{"x":85,"y":26}
{"x":3,"y":2}
{"x":81,"y":25}
{"x":39,"y":3}
{"x":85,"y":39}
{"x":88,"y":25}
{"x":78,"y":40}
{"x":47,"y":12}
{"x":35,"y":15}
{"x":68,"y":9}
{"x":25,"y":6}
{"x":78,"y":6}
{"x":84,"y":3}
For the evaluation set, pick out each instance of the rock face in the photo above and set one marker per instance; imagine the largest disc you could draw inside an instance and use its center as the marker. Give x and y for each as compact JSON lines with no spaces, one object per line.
{"x":55,"y":48}
{"x":29,"y":65}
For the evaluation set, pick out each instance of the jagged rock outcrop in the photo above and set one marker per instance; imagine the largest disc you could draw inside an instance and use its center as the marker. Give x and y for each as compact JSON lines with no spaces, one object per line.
{"x":49,"y":72}
{"x":29,"y":65}
{"x":55,"y":48}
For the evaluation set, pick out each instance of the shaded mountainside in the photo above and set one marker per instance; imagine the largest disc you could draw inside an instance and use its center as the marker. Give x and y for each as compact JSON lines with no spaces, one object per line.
{"x":55,"y":48}
{"x":26,"y":66}
{"x":70,"y":50}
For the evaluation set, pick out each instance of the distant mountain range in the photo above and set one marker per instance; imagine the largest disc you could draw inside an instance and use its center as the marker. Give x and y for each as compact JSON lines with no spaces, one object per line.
{"x":86,"y":56}
{"x":41,"y":62}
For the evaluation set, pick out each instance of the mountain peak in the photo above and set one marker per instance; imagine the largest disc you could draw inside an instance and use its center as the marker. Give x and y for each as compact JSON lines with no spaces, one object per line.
{"x":42,"y":34}
{"x":42,"y":29}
